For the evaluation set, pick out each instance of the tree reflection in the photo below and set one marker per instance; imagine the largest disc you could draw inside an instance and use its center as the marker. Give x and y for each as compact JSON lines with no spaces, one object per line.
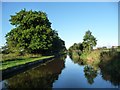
{"x":41,"y":76}
{"x":110,"y":69}
{"x":90,"y":73}
{"x":76,"y":59}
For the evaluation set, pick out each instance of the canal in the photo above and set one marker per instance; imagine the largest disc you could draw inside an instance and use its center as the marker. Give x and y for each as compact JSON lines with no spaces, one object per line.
{"x":62,"y":72}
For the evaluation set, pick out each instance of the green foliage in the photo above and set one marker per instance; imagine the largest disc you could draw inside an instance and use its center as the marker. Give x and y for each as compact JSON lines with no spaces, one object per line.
{"x":0,"y":50}
{"x":90,"y":74}
{"x":118,"y":49}
{"x":33,"y":34}
{"x":110,"y":67}
{"x":76,"y":48}
{"x":82,"y":50}
{"x":4,"y":49}
{"x":92,"y":58}
{"x":75,"y":51}
{"x":89,"y":41}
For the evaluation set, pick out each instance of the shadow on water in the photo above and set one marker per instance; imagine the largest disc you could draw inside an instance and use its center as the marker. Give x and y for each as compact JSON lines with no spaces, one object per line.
{"x":41,"y":76}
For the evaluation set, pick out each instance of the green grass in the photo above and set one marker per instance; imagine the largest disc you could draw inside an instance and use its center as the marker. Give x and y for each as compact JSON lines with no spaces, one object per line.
{"x":0,"y":57}
{"x":95,"y":57}
{"x":118,"y":50}
{"x":17,"y":62}
{"x":14,"y":56}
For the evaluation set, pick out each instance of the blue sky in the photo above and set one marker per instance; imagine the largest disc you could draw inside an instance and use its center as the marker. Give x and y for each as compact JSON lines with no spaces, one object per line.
{"x":72,"y":20}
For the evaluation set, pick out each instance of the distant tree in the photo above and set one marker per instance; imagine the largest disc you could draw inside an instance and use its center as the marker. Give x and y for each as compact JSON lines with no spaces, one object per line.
{"x":0,"y":50}
{"x":76,"y":49}
{"x":104,"y":47}
{"x":33,"y":33}
{"x":119,"y":47}
{"x":76,"y":46}
{"x":4,"y":50}
{"x":89,"y":41}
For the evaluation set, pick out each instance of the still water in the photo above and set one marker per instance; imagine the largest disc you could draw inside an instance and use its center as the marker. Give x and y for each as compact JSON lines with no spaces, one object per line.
{"x":59,"y":73}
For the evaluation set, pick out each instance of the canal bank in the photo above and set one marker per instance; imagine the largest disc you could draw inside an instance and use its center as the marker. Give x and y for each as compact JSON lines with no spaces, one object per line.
{"x":21,"y":68}
{"x":60,"y":73}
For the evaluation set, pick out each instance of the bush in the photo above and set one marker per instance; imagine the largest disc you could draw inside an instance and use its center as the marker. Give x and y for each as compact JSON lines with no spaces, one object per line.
{"x":92,"y":58}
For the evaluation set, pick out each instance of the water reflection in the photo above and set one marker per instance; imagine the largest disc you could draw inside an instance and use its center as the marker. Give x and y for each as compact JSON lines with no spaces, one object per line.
{"x":76,"y":59}
{"x":41,"y":76}
{"x":65,"y":73}
{"x":90,"y":74}
{"x":109,"y":69}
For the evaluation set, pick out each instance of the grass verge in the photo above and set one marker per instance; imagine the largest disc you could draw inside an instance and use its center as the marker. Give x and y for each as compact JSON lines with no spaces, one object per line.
{"x":19,"y":61}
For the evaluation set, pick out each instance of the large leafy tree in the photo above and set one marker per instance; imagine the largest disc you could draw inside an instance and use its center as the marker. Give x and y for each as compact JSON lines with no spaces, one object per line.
{"x":89,"y":41}
{"x":33,"y":33}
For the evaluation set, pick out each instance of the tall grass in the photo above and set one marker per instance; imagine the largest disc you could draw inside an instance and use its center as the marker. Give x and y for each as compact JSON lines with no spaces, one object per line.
{"x":92,"y":58}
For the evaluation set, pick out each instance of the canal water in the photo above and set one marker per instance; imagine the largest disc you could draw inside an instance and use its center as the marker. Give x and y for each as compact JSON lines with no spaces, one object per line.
{"x":59,"y":73}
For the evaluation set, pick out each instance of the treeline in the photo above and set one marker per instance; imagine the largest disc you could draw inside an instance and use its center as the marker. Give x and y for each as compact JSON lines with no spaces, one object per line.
{"x":84,"y":52}
{"x":107,"y":60}
{"x":32,"y":33}
{"x":77,"y":49}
